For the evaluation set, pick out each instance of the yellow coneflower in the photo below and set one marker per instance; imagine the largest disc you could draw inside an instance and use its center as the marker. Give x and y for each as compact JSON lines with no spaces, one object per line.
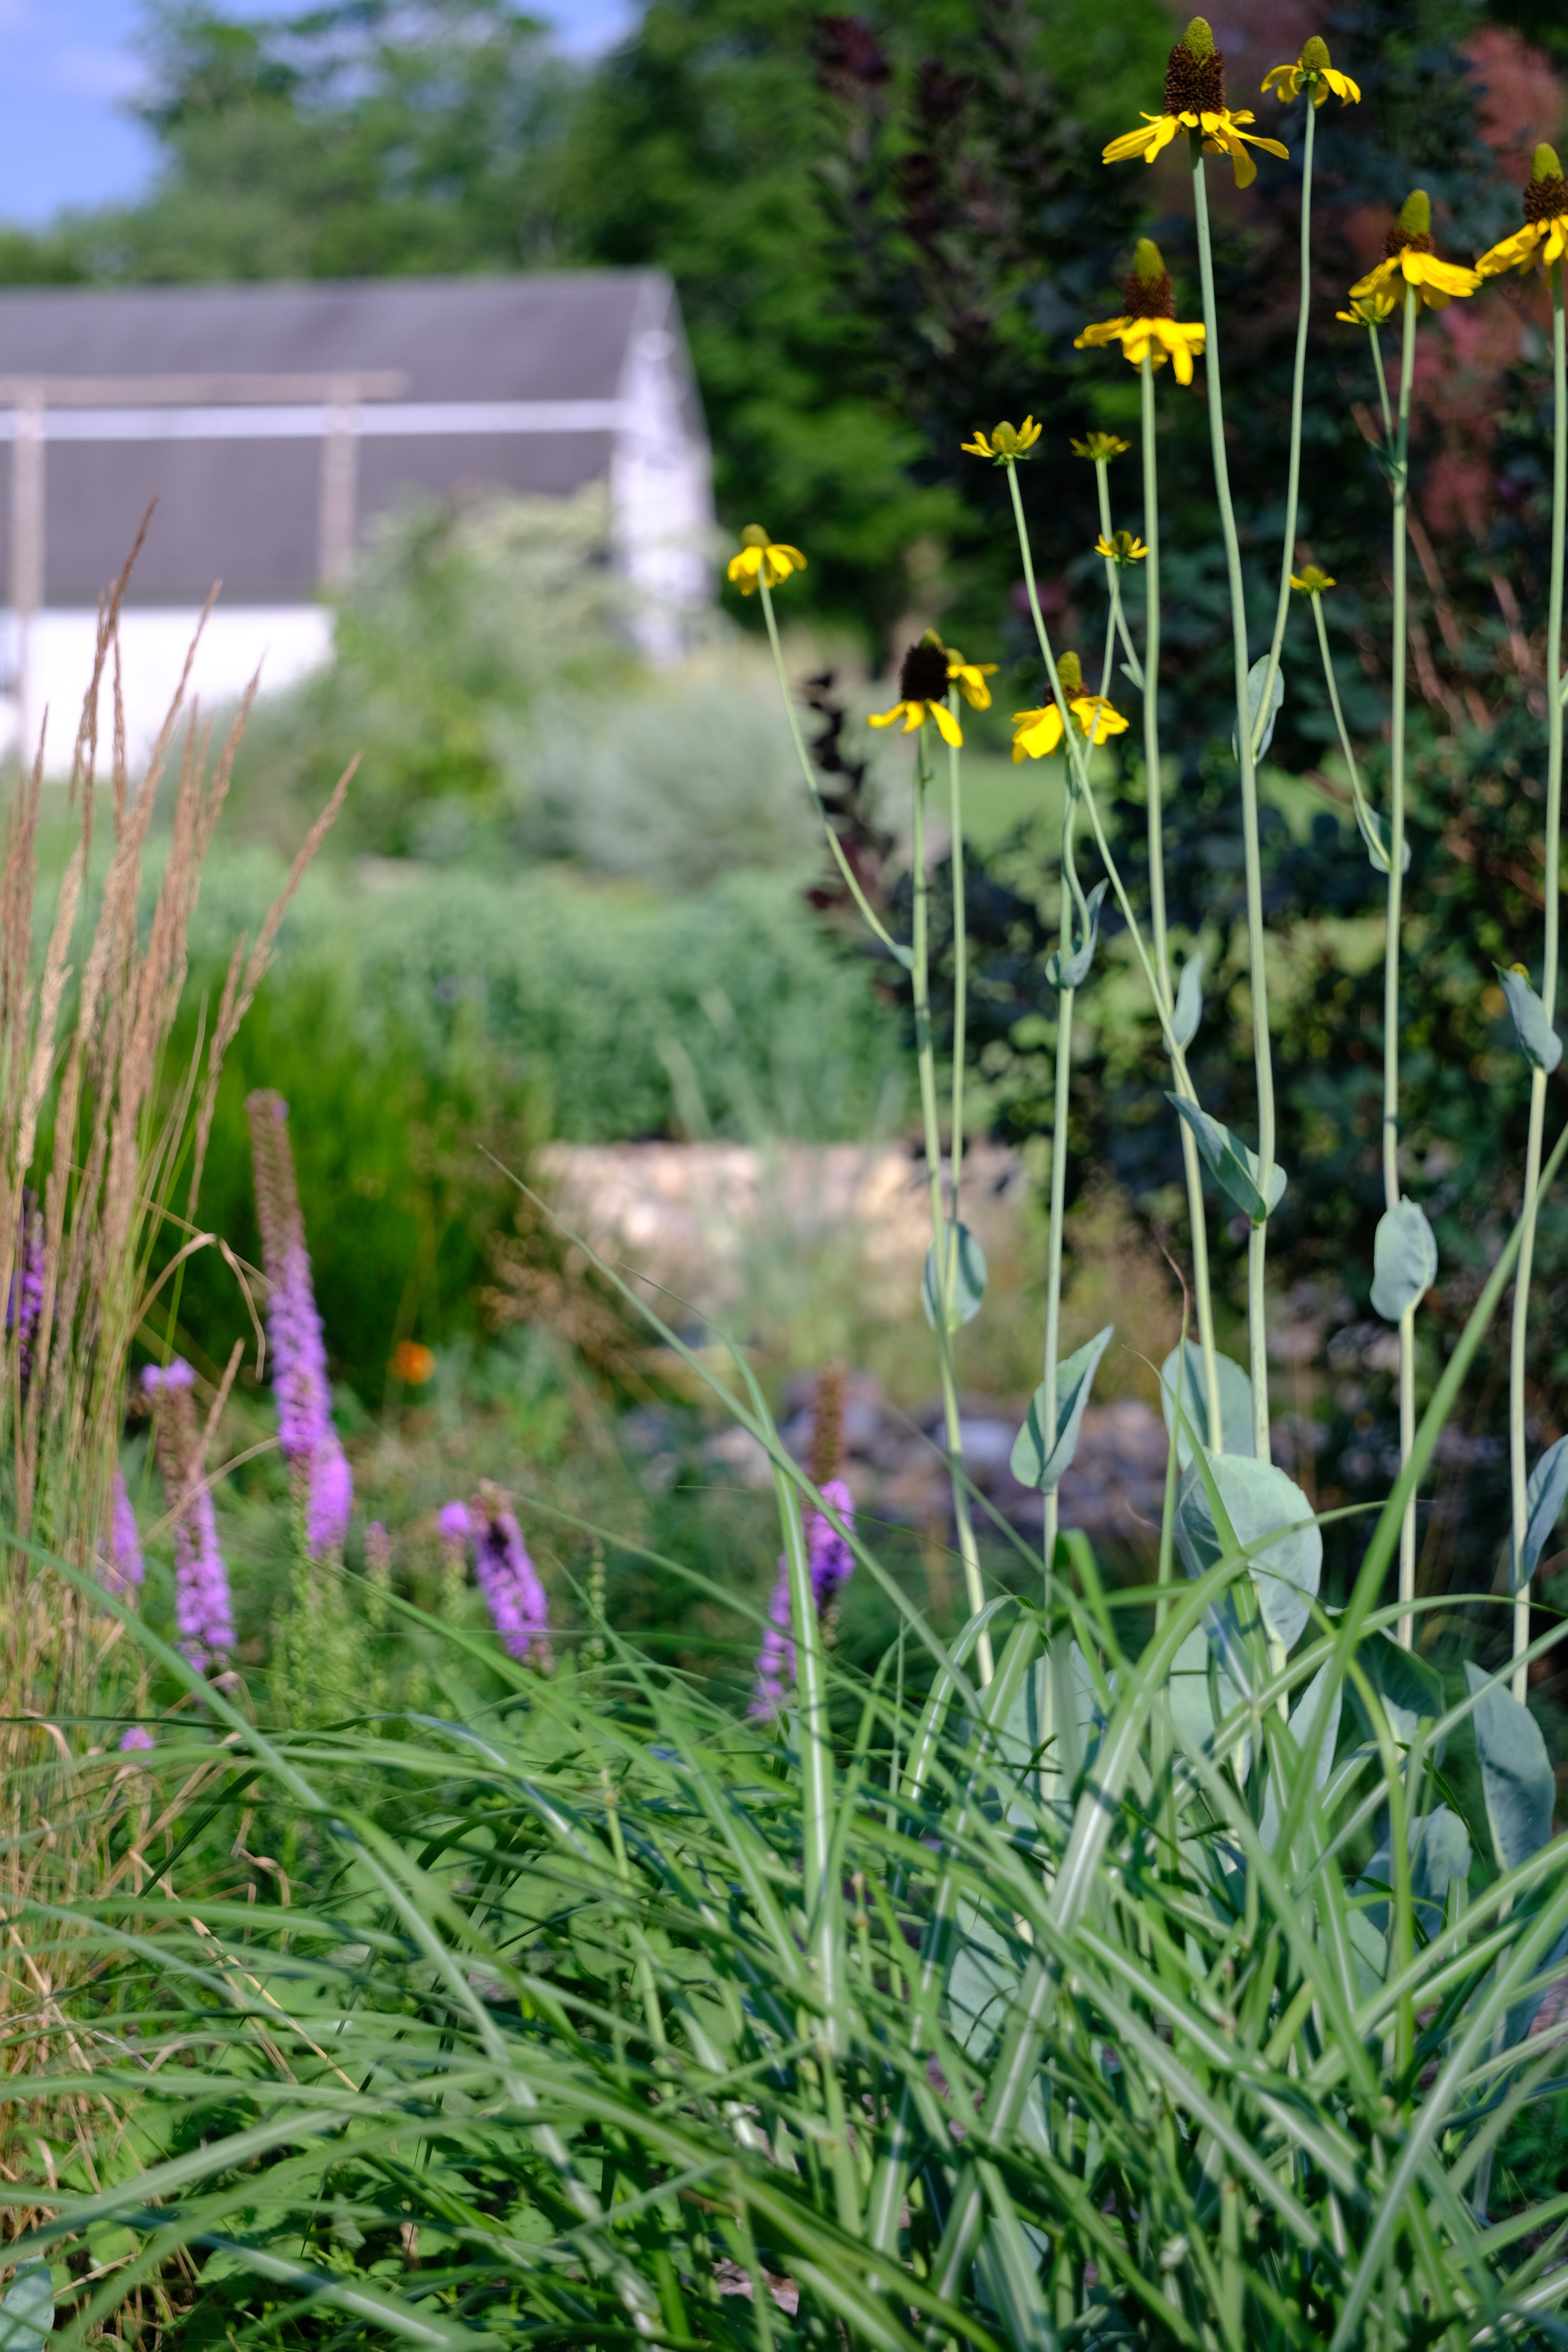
{"x":1100,"y":447}
{"x":922,"y":692}
{"x":1148,"y":324}
{"x":1370,"y":309}
{"x":1194,"y":100}
{"x":1313,"y":71}
{"x":1544,"y":237}
{"x":1005,"y":444}
{"x":970,"y":678}
{"x":1413,"y":257}
{"x":762,"y":557}
{"x":1037,"y":733}
{"x":1310,"y":581}
{"x":1121,"y":548}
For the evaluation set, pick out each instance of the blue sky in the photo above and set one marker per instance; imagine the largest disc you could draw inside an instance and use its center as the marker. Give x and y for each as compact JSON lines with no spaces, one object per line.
{"x":67,"y":68}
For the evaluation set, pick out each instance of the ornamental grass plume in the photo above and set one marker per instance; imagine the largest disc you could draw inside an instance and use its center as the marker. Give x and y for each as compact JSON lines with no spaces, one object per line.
{"x":508,"y":1578}
{"x":204,"y":1609}
{"x":310,"y":1446}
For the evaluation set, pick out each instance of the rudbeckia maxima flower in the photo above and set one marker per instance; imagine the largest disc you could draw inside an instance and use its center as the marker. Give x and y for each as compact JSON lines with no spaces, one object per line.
{"x":970,"y":678}
{"x":1544,"y":237}
{"x":1121,"y":549}
{"x":1037,"y":733}
{"x":1310,"y":581}
{"x":1148,"y":322}
{"x":1194,"y":100}
{"x":1313,"y":71}
{"x":1004,"y":443}
{"x":1100,"y":447}
{"x":762,"y":557}
{"x":922,"y":690}
{"x":1412,"y":256}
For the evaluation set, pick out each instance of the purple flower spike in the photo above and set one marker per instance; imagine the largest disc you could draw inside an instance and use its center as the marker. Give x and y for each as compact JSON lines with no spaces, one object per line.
{"x":204,"y":1612}
{"x":453,"y":1524}
{"x":508,"y":1578}
{"x":305,"y":1433}
{"x":134,"y":1740}
{"x":123,"y":1565}
{"x":831,"y":1562}
{"x":26,"y":1304}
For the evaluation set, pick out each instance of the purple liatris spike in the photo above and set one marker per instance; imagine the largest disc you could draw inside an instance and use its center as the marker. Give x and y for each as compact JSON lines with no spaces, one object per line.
{"x":121,"y":1565}
{"x":203,"y":1611}
{"x":305,"y":1434}
{"x":831,"y":1562}
{"x":26,"y":1301}
{"x":134,"y":1740}
{"x":453,"y":1525}
{"x":508,"y":1578}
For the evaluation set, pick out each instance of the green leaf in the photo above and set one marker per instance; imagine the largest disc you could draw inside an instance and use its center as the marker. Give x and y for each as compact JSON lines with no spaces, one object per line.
{"x":1516,"y":1774}
{"x":1074,"y":971}
{"x":1198,"y":1705}
{"x":1032,"y":1464}
{"x":1189,"y":1005}
{"x":1538,"y":1040}
{"x":1321,"y":1699}
{"x":1235,"y":1169}
{"x":1440,"y":1851}
{"x":1544,"y":1498}
{"x":1375,"y":832}
{"x":1274,"y":1525}
{"x":968,"y":1282}
{"x":27,"y":2309}
{"x":1254,"y":678}
{"x":1411,"y":1691}
{"x":1234,"y":1404}
{"x":1404,"y":1260}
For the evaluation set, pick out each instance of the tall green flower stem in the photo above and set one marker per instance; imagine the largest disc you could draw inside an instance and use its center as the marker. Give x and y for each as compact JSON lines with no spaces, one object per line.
{"x":1154,"y":792}
{"x":1156,"y":974}
{"x":1554,"y":847}
{"x":1400,"y":484}
{"x":1258,"y":1239}
{"x":944,"y":1229}
{"x":1293,"y":476}
{"x":916,"y":961}
{"x":1116,"y":626}
{"x":808,"y":771}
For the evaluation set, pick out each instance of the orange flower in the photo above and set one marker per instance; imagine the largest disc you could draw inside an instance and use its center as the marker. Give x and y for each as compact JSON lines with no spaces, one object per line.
{"x":412,"y":1363}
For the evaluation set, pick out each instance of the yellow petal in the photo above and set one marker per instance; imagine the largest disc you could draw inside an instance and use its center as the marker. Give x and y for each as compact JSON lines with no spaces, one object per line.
{"x":889,"y":717}
{"x":1446,"y":278}
{"x":1246,"y":170}
{"x":979,"y":447}
{"x":1106,"y":330}
{"x":1037,"y":733}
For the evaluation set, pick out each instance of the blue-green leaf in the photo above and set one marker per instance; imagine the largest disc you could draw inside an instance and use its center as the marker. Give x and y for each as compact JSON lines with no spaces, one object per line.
{"x":968,"y":1281}
{"x":1404,"y":1260}
{"x":1254,"y":678}
{"x":1189,"y":1005}
{"x":1274,"y":1525}
{"x":1544,"y":1498}
{"x":1440,"y":1851}
{"x":1377,"y":833}
{"x":1411,"y":1690}
{"x":1516,"y":1773}
{"x":1237,"y":1431}
{"x":1036,"y":1463}
{"x":27,"y":2309}
{"x":1538,"y":1040}
{"x":1074,"y":971}
{"x":1235,"y":1169}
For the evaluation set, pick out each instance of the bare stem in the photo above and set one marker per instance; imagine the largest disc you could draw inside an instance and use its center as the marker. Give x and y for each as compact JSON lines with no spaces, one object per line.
{"x":1553,"y":848}
{"x":1261,"y":1049}
{"x":1406,"y":1631}
{"x":1293,"y":477}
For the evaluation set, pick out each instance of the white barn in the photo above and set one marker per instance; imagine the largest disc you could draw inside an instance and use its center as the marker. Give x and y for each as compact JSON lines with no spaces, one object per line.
{"x":271,"y":422}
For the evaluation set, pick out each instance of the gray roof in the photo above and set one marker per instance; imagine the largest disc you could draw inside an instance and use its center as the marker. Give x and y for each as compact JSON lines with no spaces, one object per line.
{"x":247,"y":510}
